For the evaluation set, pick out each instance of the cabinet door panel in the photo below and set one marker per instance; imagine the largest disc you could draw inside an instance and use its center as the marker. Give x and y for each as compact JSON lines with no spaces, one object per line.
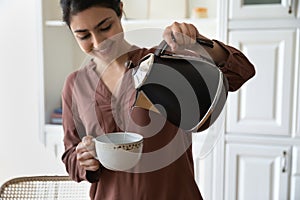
{"x":253,"y":9}
{"x":263,"y":104}
{"x":256,"y":172}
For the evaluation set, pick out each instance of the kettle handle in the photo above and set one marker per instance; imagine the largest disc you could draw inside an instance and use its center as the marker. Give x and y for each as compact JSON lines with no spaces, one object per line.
{"x":161,"y":49}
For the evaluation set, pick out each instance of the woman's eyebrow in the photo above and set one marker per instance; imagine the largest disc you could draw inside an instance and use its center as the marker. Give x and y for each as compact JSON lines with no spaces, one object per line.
{"x":99,"y":24}
{"x":102,"y":22}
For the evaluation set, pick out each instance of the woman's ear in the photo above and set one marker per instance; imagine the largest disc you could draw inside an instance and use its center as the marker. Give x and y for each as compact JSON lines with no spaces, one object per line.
{"x":121,"y":9}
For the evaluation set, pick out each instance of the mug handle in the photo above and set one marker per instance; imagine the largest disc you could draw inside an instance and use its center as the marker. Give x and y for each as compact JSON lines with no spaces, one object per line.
{"x":96,"y":156}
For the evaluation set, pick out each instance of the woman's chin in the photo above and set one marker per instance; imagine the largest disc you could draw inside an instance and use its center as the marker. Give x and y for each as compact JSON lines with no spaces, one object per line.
{"x":105,"y":54}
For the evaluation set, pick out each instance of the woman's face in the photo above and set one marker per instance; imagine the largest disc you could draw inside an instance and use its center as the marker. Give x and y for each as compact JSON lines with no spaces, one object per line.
{"x":98,"y":31}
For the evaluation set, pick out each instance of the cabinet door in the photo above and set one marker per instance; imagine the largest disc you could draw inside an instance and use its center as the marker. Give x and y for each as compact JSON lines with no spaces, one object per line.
{"x":263,"y":105}
{"x":254,"y":9}
{"x":256,"y":172}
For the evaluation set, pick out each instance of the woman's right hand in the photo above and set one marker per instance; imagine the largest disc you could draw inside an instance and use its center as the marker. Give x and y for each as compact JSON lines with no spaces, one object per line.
{"x":86,"y":154}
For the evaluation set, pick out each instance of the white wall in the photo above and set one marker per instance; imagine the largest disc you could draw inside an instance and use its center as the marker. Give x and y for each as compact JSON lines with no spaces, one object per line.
{"x":21,"y":151}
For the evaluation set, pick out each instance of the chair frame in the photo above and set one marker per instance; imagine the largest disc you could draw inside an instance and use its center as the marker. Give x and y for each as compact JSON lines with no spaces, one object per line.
{"x":10,"y":185}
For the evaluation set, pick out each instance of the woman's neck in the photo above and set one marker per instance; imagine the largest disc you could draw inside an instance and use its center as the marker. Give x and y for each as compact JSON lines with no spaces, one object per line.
{"x":118,"y":63}
{"x":112,"y":74}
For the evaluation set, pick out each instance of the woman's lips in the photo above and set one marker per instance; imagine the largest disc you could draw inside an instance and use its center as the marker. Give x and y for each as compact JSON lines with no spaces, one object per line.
{"x":104,"y":48}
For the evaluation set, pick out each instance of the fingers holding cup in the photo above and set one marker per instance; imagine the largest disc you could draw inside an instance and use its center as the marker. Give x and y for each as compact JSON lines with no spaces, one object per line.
{"x":86,"y":154}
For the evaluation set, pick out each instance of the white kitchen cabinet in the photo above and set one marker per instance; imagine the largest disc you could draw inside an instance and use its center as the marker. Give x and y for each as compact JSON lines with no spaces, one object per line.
{"x":262,"y":118}
{"x":257,"y":9}
{"x":263,"y":105}
{"x":257,"y":172}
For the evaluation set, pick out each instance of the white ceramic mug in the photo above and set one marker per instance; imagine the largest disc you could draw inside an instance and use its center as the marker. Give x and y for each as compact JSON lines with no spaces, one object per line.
{"x":119,"y":151}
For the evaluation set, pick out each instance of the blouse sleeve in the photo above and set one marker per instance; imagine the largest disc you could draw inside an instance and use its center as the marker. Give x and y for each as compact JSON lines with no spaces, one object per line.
{"x":237,"y":68}
{"x":71,"y":137}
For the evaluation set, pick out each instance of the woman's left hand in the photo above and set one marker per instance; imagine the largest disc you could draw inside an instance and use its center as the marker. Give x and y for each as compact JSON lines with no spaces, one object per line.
{"x":180,"y":34}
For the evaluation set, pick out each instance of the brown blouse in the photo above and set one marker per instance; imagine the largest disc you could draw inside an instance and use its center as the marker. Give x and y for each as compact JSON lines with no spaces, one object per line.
{"x":165,"y":171}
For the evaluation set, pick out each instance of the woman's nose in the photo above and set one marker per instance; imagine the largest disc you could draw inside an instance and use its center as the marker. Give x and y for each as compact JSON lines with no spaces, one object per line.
{"x":96,"y":40}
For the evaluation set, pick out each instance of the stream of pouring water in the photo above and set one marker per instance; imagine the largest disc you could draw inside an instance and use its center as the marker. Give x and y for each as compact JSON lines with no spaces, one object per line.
{"x":127,"y":124}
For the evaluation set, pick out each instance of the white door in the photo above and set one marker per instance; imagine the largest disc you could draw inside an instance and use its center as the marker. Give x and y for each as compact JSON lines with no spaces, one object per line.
{"x":256,"y":9}
{"x":263,"y":105}
{"x":259,"y":172}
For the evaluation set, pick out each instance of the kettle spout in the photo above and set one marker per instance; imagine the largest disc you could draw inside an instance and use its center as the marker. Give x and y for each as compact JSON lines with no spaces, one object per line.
{"x":142,"y":101}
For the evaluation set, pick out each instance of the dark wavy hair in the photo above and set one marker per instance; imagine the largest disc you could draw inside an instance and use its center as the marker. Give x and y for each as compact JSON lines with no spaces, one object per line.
{"x":72,"y":7}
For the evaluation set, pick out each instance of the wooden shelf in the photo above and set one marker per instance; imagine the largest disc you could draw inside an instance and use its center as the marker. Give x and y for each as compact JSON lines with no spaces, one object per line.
{"x":149,"y":22}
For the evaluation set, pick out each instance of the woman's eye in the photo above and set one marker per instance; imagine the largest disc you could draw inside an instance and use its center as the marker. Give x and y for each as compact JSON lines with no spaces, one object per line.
{"x":84,"y":37}
{"x":106,"y":28}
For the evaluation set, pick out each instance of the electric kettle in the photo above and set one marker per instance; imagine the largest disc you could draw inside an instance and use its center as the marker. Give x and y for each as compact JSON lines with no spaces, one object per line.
{"x":189,"y":91}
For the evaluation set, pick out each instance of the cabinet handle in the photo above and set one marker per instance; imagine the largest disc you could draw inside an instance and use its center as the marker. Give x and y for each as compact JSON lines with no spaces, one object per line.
{"x":283,"y":162}
{"x":291,"y":3}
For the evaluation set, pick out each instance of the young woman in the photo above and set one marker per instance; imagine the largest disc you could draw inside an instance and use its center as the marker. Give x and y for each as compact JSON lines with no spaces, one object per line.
{"x":97,"y":99}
